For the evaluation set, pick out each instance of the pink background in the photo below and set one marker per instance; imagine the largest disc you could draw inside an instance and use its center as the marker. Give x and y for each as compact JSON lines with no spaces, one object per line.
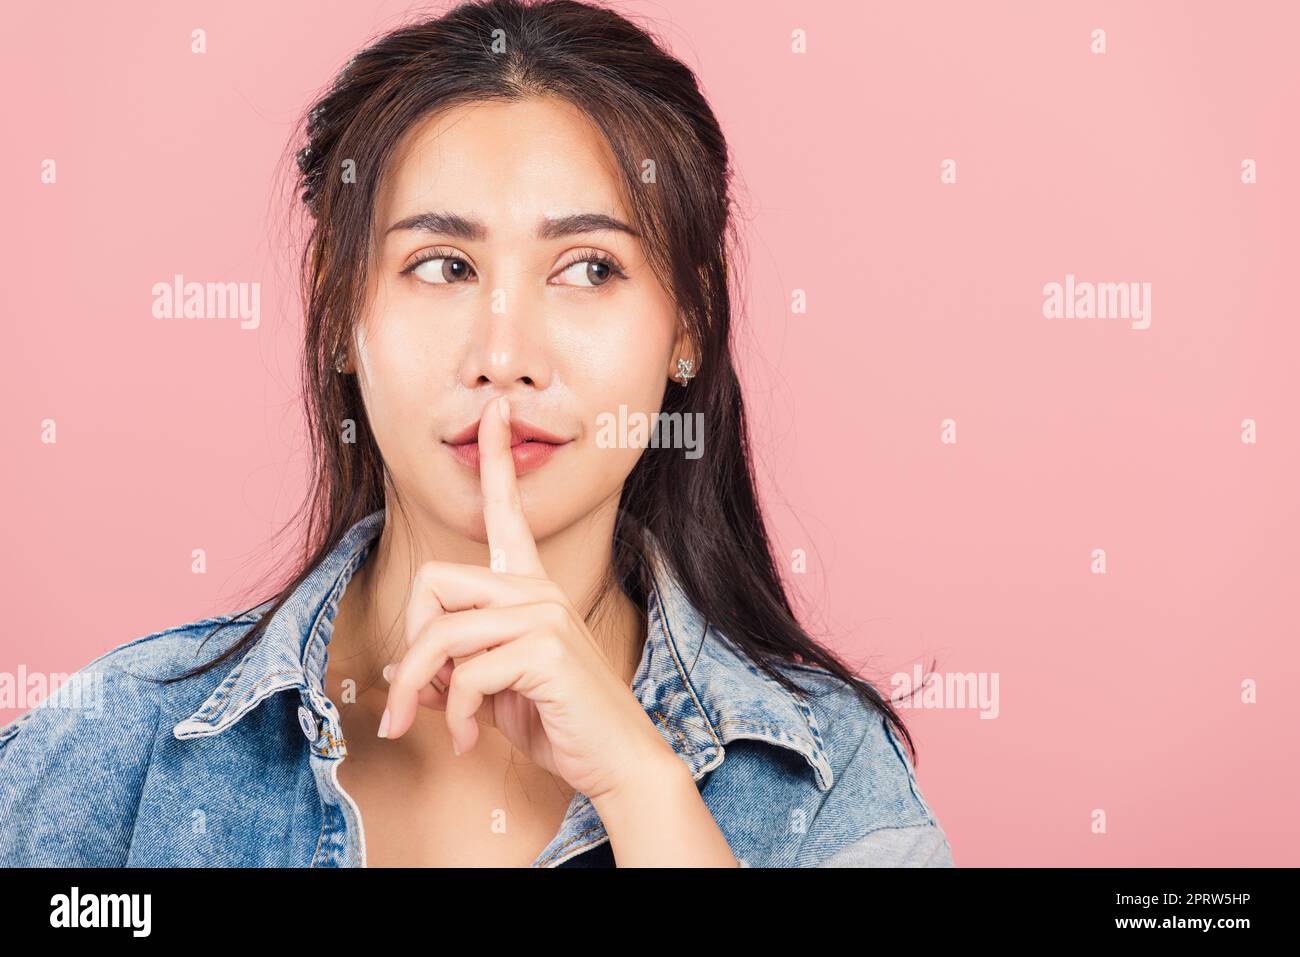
{"x":1119,"y":691}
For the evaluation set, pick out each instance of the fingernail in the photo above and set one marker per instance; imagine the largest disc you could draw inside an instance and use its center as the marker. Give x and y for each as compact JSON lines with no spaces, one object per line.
{"x":388,"y":672}
{"x":454,"y":750}
{"x":504,"y":407}
{"x":383,"y":725}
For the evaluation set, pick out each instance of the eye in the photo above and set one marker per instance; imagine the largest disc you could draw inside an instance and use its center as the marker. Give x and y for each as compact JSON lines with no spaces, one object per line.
{"x":598,"y":268}
{"x":438,"y":267}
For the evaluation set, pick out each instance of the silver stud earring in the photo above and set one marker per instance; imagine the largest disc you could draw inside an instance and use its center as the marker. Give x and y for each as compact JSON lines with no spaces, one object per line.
{"x":338,"y":363}
{"x":684,"y":367}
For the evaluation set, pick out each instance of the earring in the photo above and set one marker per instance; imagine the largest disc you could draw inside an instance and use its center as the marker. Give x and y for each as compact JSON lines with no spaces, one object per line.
{"x":684,"y":367}
{"x":338,"y":363}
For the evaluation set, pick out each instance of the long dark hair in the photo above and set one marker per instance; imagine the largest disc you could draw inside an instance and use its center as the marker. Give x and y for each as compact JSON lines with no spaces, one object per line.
{"x":703,"y":512}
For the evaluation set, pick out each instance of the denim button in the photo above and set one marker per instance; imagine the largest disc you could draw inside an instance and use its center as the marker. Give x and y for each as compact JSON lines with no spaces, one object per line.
{"x":307,"y":720}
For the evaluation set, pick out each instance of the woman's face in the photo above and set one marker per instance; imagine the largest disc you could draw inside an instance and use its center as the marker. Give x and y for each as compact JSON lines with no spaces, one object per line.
{"x":482,"y":285}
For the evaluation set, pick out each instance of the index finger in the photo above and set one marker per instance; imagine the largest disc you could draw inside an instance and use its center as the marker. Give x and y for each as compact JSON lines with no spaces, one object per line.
{"x":510,"y":540}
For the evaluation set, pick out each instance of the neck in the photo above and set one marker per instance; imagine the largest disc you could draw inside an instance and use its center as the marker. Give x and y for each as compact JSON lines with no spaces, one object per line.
{"x":369,"y":627}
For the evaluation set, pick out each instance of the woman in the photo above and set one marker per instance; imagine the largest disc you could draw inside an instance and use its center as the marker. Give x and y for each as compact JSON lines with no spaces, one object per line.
{"x":550,"y":638}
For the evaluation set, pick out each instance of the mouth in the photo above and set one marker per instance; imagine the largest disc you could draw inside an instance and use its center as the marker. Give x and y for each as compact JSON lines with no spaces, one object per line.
{"x":531,"y":447}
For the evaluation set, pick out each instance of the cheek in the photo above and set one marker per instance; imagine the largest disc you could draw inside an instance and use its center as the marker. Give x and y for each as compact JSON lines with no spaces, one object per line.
{"x":363,"y":353}
{"x":400,"y":365}
{"x":621,"y":361}
{"x":616,"y":376}
{"x":620,"y":388}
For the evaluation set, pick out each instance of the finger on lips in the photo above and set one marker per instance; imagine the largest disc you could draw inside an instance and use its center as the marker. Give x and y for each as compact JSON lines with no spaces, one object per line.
{"x":508,"y":533}
{"x":443,"y":591}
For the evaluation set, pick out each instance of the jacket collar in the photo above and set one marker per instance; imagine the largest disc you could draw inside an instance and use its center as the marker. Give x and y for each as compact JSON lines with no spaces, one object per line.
{"x":701,"y":691}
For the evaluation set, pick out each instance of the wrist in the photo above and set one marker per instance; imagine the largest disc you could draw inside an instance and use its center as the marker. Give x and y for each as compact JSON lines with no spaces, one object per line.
{"x":657,"y":817}
{"x":658,"y":771}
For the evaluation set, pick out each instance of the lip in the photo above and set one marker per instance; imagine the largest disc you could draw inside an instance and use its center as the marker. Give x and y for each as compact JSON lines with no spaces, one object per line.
{"x":528,"y":456}
{"x":520,"y":431}
{"x":531,"y":446}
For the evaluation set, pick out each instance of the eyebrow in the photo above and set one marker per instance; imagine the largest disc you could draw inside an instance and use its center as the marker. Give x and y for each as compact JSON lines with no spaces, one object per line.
{"x":549,"y":228}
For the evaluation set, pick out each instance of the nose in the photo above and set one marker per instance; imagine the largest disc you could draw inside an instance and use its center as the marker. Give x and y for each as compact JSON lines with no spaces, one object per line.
{"x":508,"y":347}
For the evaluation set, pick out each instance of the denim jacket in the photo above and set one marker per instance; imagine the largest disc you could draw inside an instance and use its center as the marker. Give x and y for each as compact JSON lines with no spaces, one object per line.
{"x":239,"y":766}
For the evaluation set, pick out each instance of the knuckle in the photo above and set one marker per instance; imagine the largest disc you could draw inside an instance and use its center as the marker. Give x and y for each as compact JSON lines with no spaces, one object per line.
{"x":428,"y":637}
{"x":555,"y":614}
{"x":550,"y":648}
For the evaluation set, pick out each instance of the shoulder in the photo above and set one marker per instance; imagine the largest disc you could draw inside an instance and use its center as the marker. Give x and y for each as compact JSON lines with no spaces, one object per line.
{"x":863,"y":747}
{"x":875,"y":813}
{"x":72,"y":767}
{"x":131,"y":673}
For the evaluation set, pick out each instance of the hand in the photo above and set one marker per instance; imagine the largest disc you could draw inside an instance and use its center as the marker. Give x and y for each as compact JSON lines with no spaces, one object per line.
{"x":537,"y":674}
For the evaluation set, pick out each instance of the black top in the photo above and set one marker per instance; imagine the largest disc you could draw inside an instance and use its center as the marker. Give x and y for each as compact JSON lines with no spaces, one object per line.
{"x":602,"y":855}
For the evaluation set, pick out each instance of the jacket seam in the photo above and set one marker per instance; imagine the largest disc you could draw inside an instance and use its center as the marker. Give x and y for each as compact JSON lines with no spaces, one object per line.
{"x":753,"y":726}
{"x":350,"y":568}
{"x":663,"y":720}
{"x":320,"y":839}
{"x":930,"y":825}
{"x":911,"y":775}
{"x":928,"y":819}
{"x":799,"y":700}
{"x":681,"y":672}
{"x":577,"y":837}
{"x":582,"y":850}
{"x":918,"y":825}
{"x":223,"y":706}
{"x":148,"y":765}
{"x":10,"y":731}
{"x":177,"y":629}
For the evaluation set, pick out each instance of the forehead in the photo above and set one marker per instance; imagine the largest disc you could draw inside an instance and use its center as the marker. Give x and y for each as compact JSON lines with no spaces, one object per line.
{"x":506,"y":163}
